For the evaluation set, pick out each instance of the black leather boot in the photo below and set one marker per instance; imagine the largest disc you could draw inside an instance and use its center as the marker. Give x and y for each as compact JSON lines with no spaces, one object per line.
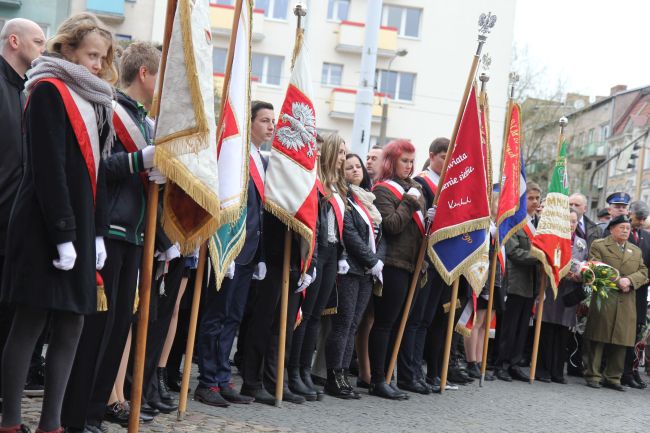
{"x":297,"y":386}
{"x":163,"y":389}
{"x":305,"y":375}
{"x":335,"y":385}
{"x":348,"y":385}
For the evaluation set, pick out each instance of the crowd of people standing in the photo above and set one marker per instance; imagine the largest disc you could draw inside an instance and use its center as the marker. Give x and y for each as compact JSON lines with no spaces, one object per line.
{"x":75,"y":170}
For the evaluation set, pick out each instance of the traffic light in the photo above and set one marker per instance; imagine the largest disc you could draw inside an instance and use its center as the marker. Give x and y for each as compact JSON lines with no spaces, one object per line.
{"x":634,"y":156}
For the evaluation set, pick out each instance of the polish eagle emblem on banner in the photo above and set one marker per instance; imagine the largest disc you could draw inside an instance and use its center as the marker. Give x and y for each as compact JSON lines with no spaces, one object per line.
{"x":301,"y":129}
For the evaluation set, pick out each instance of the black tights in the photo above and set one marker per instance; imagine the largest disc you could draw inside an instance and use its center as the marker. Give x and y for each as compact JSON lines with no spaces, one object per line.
{"x":27,"y":326}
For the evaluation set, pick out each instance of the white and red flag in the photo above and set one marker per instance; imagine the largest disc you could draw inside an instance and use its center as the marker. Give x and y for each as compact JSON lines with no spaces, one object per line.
{"x":291,"y":192}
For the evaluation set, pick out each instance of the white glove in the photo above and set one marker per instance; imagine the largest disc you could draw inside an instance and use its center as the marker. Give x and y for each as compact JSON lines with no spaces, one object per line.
{"x":414,"y":192}
{"x":100,"y":252}
{"x":431,"y":212}
{"x":156,"y":176}
{"x":172,"y":252}
{"x":147,"y":156}
{"x":376,"y":270}
{"x":304,"y":282}
{"x":230,"y":272}
{"x":260,"y":271}
{"x":344,"y":267}
{"x":67,"y":256}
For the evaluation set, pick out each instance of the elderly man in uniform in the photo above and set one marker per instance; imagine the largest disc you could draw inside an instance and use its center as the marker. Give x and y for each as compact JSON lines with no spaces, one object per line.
{"x":641,"y":238}
{"x":612,"y":327}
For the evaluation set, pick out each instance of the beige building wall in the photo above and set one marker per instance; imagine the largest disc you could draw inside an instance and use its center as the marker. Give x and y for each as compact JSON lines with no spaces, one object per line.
{"x":440,"y":57}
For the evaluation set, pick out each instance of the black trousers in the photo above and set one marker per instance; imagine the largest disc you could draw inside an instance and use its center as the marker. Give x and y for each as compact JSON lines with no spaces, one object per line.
{"x":354,"y":294}
{"x":122,"y":274}
{"x":514,"y":330}
{"x":388,"y":310}
{"x":436,"y":334}
{"x":159,"y":325}
{"x":264,"y":324}
{"x":102,"y":339}
{"x":423,"y":310}
{"x":552,"y":350}
{"x":316,"y":296}
{"x":631,"y":359}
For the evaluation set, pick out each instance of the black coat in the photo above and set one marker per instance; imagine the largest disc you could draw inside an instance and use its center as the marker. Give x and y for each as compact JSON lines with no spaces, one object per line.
{"x":642,"y":292}
{"x":252,"y":249}
{"x":355,"y":237}
{"x":273,"y":240}
{"x":54,"y":205}
{"x":126,"y":192}
{"x":592,"y":231}
{"x":12,"y":100}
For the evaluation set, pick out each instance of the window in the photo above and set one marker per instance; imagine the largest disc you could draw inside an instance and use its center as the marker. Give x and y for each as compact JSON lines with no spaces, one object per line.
{"x":405,"y":20}
{"x":604,"y":132}
{"x":590,"y":136}
{"x":332,"y":74}
{"x":397,"y":85}
{"x":219,"y":60}
{"x":337,"y":10}
{"x":267,"y":69}
{"x":221,"y":2}
{"x":276,"y":9}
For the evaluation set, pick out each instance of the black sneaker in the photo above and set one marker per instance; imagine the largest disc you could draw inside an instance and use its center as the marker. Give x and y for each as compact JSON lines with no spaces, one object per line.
{"x":210,"y":396}
{"x":116,"y":414}
{"x":230,"y":394}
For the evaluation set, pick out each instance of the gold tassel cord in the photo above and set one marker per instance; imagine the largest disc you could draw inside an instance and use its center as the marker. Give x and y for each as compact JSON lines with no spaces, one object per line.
{"x":102,"y":302}
{"x":136,"y":301}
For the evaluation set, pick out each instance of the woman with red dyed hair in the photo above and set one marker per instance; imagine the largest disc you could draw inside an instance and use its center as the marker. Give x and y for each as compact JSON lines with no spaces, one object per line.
{"x":401,"y":204}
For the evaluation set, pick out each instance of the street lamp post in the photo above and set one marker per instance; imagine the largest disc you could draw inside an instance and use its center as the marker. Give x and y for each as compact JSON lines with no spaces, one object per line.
{"x":384,"y":103}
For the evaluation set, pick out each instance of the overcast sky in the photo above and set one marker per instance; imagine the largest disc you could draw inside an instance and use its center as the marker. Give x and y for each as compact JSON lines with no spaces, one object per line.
{"x":592,"y":45}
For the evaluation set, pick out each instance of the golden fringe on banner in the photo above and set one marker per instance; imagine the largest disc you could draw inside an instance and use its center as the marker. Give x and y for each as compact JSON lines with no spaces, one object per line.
{"x":219,"y":268}
{"x":460,"y":229}
{"x":463,"y":330}
{"x":460,"y":270}
{"x":197,"y":138}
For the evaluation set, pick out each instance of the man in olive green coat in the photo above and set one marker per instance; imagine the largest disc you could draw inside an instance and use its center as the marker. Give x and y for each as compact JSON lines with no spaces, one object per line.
{"x":612,"y":327}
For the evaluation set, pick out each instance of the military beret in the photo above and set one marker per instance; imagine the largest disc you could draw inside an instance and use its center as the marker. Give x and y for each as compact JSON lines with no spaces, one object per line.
{"x":618,"y":220}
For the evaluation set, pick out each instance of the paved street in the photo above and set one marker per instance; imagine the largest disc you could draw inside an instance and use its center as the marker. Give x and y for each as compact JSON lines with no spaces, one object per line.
{"x":497,"y":407}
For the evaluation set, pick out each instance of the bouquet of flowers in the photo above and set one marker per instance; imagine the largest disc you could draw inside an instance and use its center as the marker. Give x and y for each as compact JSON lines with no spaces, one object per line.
{"x":599,"y":280}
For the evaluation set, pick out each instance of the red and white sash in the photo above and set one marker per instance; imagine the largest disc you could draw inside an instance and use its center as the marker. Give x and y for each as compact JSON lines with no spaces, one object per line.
{"x":84,"y":124}
{"x":257,"y":172}
{"x":530,"y":229}
{"x":427,"y":175}
{"x":338,"y":206}
{"x":130,"y":135}
{"x":398,"y":192}
{"x":366,"y":218}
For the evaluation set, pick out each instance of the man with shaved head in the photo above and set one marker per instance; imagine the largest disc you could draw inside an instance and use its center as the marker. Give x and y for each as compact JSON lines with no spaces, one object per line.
{"x":21,"y":41}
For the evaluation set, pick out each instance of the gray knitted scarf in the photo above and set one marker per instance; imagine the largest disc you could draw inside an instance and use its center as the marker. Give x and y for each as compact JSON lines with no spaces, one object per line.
{"x":78,"y":78}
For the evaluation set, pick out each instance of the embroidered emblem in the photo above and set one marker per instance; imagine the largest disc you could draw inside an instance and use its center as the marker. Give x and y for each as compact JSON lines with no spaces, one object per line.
{"x":301,"y":131}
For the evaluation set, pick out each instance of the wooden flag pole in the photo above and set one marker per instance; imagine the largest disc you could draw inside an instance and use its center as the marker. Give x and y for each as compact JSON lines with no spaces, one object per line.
{"x":191,"y":332}
{"x":143,"y":308}
{"x":407,"y":305}
{"x":542,"y":286}
{"x":488,"y":315}
{"x":486,"y":22}
{"x":493,"y":260}
{"x":282,"y":333}
{"x":146,"y":273}
{"x":538,"y":325}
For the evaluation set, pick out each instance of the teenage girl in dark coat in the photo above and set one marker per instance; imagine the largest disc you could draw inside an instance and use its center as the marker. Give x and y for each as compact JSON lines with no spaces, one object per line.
{"x":55,"y":243}
{"x":402,"y":237}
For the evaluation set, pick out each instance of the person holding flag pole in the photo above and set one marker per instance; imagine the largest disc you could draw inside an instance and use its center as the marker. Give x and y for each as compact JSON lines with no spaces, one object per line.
{"x":291,"y":202}
{"x":511,"y":213}
{"x":552,"y":242}
{"x":458,"y":236}
{"x":186,"y":153}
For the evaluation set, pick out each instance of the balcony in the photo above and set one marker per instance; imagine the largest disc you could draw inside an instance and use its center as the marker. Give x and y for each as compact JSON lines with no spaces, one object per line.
{"x":107,"y":10}
{"x":342,"y":103}
{"x":221,"y":17}
{"x":351,"y":36}
{"x":590,"y":151}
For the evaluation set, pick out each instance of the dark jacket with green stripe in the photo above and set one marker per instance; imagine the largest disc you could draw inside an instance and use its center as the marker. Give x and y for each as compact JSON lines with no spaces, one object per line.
{"x":127,"y":198}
